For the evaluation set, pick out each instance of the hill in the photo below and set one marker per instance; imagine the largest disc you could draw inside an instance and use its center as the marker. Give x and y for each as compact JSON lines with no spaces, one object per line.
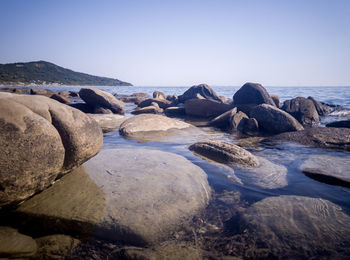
{"x":46,"y":73}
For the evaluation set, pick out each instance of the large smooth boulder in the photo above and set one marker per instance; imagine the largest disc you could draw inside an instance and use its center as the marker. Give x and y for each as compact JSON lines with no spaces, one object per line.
{"x":15,"y":245}
{"x":135,"y":196}
{"x":223,"y":120}
{"x":202,"y":91}
{"x":343,"y":123}
{"x":252,"y":94}
{"x":100,"y":98}
{"x":274,"y":120}
{"x":338,"y":138}
{"x":303,"y":110}
{"x":41,"y":139}
{"x":141,"y":126}
{"x":297,"y":227}
{"x":205,"y":107}
{"x":225,"y":153}
{"x":329,"y":169}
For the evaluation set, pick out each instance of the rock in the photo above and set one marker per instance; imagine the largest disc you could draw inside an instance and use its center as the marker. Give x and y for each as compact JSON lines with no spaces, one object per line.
{"x":225,"y":153}
{"x":159,"y":95}
{"x":147,"y":110}
{"x":107,"y":122}
{"x":15,"y":245}
{"x":297,"y":227}
{"x":42,"y":91}
{"x":141,"y":125}
{"x":133,"y":98}
{"x":329,"y":169}
{"x":55,"y":246}
{"x":134,"y":196}
{"x":162,"y":103}
{"x":96,"y":97}
{"x":83,"y":107}
{"x":276,"y":100}
{"x":303,"y":110}
{"x":322,"y":109}
{"x":173,"y":99}
{"x":12,"y":90}
{"x":203,"y":90}
{"x":41,"y":138}
{"x":273,"y":120}
{"x":205,"y":107}
{"x":175,"y":111}
{"x":248,"y":126}
{"x":102,"y":110}
{"x":338,"y":138}
{"x":223,"y":120}
{"x":225,"y":100}
{"x":252,"y":94}
{"x":60,"y":98}
{"x":236,"y":120}
{"x":344,"y":123}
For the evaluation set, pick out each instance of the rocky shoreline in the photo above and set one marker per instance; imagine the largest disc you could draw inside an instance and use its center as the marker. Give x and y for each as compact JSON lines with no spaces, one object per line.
{"x":62,"y":197}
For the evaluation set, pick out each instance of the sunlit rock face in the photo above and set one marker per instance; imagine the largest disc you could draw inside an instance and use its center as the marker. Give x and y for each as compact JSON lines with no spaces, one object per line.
{"x":136,"y":196}
{"x":297,"y":227}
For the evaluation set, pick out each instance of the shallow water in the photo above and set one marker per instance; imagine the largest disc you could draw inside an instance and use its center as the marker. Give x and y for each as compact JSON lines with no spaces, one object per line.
{"x":223,"y":178}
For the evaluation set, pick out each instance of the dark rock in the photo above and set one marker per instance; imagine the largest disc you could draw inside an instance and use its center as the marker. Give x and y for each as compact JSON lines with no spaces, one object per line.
{"x":276,"y":100}
{"x":162,"y":103}
{"x":322,"y":109}
{"x":252,"y":94}
{"x":225,"y":153}
{"x":175,"y":111}
{"x":96,"y":97}
{"x":203,"y":90}
{"x":248,"y":126}
{"x":223,"y":120}
{"x":147,"y":110}
{"x":102,"y":110}
{"x":205,"y":108}
{"x":338,"y":138}
{"x":274,"y":120}
{"x":236,"y":120}
{"x":303,"y":110}
{"x":15,"y":245}
{"x":159,"y":95}
{"x":60,"y":98}
{"x":42,"y":91}
{"x":83,"y":107}
{"x":55,"y":247}
{"x":344,"y":123}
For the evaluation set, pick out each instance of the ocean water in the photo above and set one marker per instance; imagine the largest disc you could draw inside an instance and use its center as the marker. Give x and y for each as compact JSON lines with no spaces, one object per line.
{"x":251,"y":188}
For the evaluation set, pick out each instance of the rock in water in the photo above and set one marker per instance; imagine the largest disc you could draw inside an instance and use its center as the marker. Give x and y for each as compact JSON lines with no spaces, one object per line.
{"x":205,"y":107}
{"x":303,"y":110}
{"x":343,"y":123}
{"x":159,"y":95}
{"x":223,"y":120}
{"x":15,"y":245}
{"x":162,"y":103}
{"x":328,"y":169}
{"x":274,"y":120}
{"x":224,"y":152}
{"x":40,"y":139}
{"x":99,"y":98}
{"x":108,"y":122}
{"x":55,"y":246}
{"x":297,"y":227}
{"x":136,"y":196}
{"x":202,"y":90}
{"x":252,"y":94}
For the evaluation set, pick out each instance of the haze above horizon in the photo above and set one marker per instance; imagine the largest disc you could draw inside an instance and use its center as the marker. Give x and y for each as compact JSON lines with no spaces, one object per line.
{"x":182,"y":43}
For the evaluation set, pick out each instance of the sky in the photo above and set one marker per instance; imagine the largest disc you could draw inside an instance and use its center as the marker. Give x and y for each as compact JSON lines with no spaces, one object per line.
{"x":184,"y":42}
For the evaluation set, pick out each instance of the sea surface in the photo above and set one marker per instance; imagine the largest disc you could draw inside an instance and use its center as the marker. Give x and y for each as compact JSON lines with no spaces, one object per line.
{"x":223,"y":179}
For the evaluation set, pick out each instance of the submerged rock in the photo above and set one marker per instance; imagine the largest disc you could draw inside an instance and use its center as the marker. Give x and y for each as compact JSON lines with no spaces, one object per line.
{"x":199,"y":91}
{"x":274,"y":120}
{"x":303,"y":110}
{"x":135,"y":196}
{"x":15,"y":245}
{"x":298,"y":227}
{"x":329,"y":169}
{"x":205,"y":107}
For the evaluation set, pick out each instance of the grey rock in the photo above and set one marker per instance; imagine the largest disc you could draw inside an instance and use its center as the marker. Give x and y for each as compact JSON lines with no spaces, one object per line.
{"x":276,"y":100}
{"x":159,"y":95}
{"x":203,"y":90}
{"x":274,"y":120}
{"x":223,"y":120}
{"x":252,"y":93}
{"x":303,"y":110}
{"x":329,"y":169}
{"x":60,"y":98}
{"x":343,"y":123}
{"x":42,"y":91}
{"x":175,"y":111}
{"x":162,"y":103}
{"x":83,"y":107}
{"x":205,"y":108}
{"x":96,"y":97}
{"x":322,"y":109}
{"x":15,"y":245}
{"x":147,"y":110}
{"x":108,"y":122}
{"x":102,"y":110}
{"x":248,"y":126}
{"x":236,"y":120}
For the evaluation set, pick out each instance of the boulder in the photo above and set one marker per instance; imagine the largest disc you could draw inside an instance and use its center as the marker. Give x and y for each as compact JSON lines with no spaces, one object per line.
{"x":276,"y":100}
{"x":338,"y":138}
{"x":147,"y":110}
{"x":159,"y":95}
{"x":248,"y":126}
{"x":236,"y":120}
{"x":274,"y":120}
{"x":100,"y":98}
{"x":60,"y":98}
{"x":203,"y":90}
{"x":225,"y":153}
{"x":303,"y":110}
{"x":42,"y":91}
{"x":133,"y":98}
{"x":322,"y":109}
{"x":175,"y":111}
{"x":162,"y":103}
{"x":329,"y":169}
{"x":108,"y":122}
{"x":223,"y":120}
{"x":15,"y":245}
{"x":55,"y":246}
{"x":205,"y":108}
{"x":141,"y":126}
{"x":83,"y":107}
{"x":173,"y":99}
{"x":252,"y":94}
{"x":343,"y":123}
{"x":102,"y":110}
{"x":297,"y":227}
{"x":41,"y":139}
{"x":134,"y":196}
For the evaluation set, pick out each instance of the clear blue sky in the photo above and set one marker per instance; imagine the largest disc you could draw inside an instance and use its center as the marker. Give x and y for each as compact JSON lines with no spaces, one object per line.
{"x":299,"y":42}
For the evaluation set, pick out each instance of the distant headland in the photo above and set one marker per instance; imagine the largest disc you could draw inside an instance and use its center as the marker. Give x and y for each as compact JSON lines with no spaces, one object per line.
{"x":49,"y":74}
